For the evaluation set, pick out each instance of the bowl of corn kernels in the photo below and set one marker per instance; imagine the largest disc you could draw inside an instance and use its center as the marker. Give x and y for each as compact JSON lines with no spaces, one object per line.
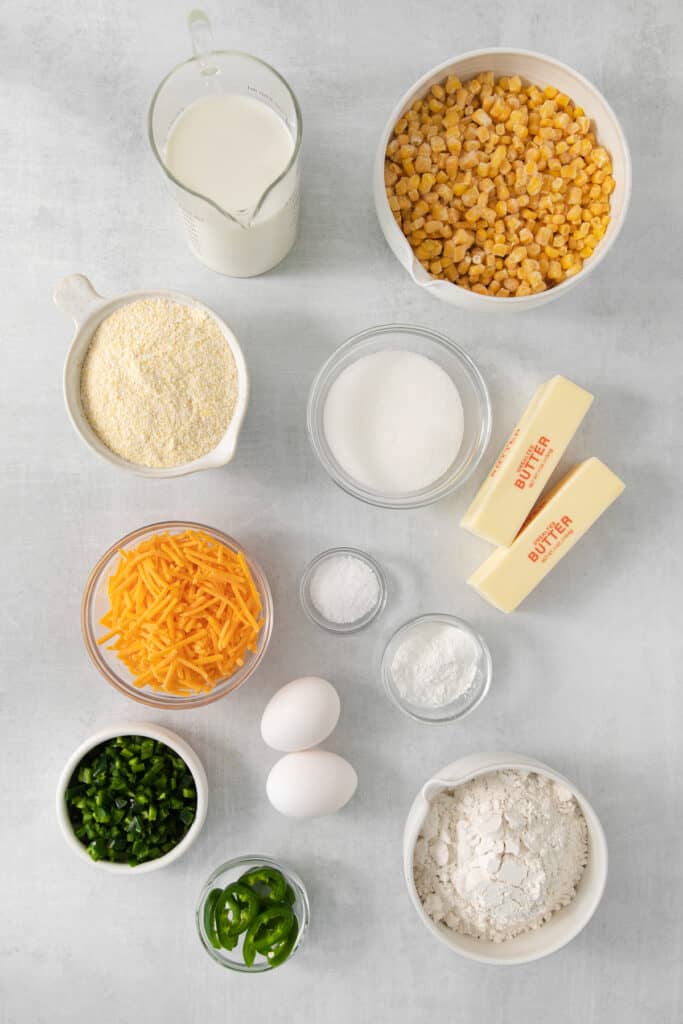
{"x":501,"y":175}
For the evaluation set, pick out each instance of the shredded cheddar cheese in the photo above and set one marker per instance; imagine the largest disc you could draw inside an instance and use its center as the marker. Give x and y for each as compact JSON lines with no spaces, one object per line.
{"x":184,"y":612}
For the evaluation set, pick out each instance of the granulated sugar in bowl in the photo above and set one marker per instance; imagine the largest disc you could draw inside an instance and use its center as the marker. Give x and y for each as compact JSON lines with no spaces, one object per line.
{"x":399,"y":416}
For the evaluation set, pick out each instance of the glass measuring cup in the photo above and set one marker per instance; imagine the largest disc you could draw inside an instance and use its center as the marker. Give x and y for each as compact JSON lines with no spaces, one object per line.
{"x":239,"y":243}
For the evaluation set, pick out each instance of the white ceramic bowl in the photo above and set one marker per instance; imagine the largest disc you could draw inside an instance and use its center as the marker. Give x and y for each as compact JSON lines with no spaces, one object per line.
{"x":76,"y":296}
{"x":566,"y":923}
{"x":539,"y":70}
{"x":155,"y":732}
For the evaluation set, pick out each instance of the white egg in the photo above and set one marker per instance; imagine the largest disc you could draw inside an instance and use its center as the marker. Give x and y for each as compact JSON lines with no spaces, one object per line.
{"x":310,"y":783}
{"x":301,"y":714}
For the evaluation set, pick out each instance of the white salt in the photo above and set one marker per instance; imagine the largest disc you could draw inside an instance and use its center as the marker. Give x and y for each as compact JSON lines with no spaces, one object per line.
{"x":344,"y":589}
{"x":394,"y":421}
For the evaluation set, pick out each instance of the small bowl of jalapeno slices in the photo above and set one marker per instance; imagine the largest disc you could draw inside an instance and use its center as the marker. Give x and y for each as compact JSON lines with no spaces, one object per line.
{"x":252,"y":914}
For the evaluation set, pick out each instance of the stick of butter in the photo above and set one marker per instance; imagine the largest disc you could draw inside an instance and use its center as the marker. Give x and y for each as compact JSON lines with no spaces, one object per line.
{"x":527,"y":461}
{"x":551,"y":531}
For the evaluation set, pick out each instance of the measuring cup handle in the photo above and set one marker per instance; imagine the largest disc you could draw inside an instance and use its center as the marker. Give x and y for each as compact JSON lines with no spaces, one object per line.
{"x":76,"y":296}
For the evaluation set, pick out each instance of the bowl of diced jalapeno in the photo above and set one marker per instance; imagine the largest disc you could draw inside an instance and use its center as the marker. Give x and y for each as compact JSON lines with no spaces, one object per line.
{"x":252,"y":914}
{"x":132,"y":798}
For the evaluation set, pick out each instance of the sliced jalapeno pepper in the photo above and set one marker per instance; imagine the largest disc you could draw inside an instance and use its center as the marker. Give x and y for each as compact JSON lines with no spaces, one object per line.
{"x":248,"y":950}
{"x":271,"y":926}
{"x":281,"y":950}
{"x":236,"y":908}
{"x":210,"y":918}
{"x":269,"y":884}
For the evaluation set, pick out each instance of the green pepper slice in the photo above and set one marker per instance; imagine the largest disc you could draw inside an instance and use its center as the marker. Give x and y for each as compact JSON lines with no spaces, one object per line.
{"x":281,"y":950}
{"x":210,"y":918}
{"x":248,"y":949}
{"x":271,"y":926}
{"x":269,"y":884}
{"x":236,"y":908}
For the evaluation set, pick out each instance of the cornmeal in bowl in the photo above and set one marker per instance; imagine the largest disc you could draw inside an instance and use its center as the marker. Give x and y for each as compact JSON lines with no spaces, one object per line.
{"x":159,"y":382}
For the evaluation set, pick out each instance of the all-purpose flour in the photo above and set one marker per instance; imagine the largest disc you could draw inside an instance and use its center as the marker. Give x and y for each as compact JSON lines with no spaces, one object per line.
{"x":499,"y":854}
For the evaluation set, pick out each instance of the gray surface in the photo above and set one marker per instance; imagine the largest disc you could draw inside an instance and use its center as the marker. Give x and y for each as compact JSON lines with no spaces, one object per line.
{"x":587,"y":677}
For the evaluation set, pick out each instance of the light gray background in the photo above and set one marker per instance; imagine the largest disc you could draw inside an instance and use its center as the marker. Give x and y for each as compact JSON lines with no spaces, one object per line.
{"x":587,"y":676}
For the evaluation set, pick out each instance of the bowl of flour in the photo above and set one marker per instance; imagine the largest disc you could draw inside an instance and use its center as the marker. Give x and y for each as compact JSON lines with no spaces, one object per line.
{"x":504,"y":859}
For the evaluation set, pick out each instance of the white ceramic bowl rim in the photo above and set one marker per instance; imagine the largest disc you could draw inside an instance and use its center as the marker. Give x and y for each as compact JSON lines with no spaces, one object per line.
{"x":456,"y":774}
{"x":156,"y":732}
{"x":76,"y":296}
{"x":398,"y":239}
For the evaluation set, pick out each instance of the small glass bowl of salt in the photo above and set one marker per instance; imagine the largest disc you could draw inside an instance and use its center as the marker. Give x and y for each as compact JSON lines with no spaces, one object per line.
{"x":436,"y":668}
{"x":343,"y":590}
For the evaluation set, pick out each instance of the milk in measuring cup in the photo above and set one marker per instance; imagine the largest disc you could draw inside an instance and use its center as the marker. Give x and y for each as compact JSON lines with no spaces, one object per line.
{"x":230,"y":148}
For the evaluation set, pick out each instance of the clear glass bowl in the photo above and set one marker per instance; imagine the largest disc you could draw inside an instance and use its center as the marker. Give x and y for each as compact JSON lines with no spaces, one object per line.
{"x":96,"y":603}
{"x":462,"y":705}
{"x":464,"y":374}
{"x":230,"y":872}
{"x":310,"y":608}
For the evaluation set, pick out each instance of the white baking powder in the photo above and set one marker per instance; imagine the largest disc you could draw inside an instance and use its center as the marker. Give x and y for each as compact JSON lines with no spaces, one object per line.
{"x":344,"y":589}
{"x":434,"y":664}
{"x":499,"y":854}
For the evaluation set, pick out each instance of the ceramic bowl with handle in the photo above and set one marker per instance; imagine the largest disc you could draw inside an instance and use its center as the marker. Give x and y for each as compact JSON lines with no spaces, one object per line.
{"x":532,"y":68}
{"x":76,"y":296}
{"x":566,"y":923}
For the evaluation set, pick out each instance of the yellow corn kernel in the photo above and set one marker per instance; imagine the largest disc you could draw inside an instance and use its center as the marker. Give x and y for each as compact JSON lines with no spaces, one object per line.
{"x":463,"y":237}
{"x":473,"y":214}
{"x":482,"y":118}
{"x":428,"y":249}
{"x":535,"y":185}
{"x":470,"y":197}
{"x":517,"y":255}
{"x":426,"y":183}
{"x":544,"y":235}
